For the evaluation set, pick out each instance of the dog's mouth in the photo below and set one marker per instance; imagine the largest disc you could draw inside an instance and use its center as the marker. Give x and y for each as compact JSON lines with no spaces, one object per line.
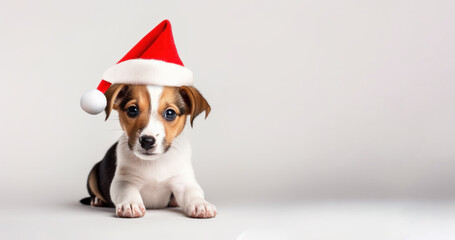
{"x":148,"y":153}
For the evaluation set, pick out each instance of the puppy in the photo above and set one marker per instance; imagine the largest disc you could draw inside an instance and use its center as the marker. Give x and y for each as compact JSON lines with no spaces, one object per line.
{"x":150,"y":165}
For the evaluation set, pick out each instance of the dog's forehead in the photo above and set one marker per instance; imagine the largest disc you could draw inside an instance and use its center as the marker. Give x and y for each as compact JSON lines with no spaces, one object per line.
{"x":155,"y":93}
{"x":165,"y":96}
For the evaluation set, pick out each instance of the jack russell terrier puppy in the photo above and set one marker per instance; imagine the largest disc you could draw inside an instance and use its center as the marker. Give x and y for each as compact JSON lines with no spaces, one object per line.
{"x":150,"y":165}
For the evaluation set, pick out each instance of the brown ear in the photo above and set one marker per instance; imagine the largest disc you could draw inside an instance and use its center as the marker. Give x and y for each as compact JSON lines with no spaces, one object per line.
{"x":194,"y":99}
{"x":114,"y":96}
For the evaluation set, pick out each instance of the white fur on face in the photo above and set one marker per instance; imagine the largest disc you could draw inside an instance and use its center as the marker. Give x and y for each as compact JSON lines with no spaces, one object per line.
{"x":155,"y":127}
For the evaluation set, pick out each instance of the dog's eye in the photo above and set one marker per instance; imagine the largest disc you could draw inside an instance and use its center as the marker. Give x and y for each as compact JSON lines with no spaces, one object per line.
{"x":132,"y":111}
{"x":170,"y":114}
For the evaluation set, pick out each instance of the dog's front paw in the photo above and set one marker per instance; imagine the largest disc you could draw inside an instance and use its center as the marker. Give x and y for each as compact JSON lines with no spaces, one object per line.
{"x":130,"y":210}
{"x":200,"y":209}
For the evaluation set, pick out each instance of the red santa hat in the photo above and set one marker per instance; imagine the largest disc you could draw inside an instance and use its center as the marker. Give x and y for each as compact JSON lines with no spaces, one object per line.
{"x":153,"y":61}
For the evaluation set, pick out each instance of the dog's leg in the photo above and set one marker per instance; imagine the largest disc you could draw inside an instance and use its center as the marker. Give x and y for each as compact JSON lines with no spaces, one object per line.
{"x":190,"y":197}
{"x":127,"y":199}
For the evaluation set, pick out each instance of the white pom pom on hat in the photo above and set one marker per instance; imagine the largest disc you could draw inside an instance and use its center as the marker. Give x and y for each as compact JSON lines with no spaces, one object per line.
{"x":152,"y":61}
{"x":93,"y":101}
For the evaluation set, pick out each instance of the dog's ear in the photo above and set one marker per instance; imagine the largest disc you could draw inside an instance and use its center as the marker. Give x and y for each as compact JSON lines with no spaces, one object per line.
{"x":114,"y":95}
{"x":196,"y":102}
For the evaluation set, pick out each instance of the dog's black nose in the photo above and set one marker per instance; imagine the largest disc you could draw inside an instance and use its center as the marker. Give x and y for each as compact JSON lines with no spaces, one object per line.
{"x":147,"y":142}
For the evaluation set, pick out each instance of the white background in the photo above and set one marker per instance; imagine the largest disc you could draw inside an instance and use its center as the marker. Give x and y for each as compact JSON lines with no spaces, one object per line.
{"x":311,"y":100}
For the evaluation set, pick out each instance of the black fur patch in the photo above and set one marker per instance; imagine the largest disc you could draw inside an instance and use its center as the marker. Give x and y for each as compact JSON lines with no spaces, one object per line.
{"x":105,"y":171}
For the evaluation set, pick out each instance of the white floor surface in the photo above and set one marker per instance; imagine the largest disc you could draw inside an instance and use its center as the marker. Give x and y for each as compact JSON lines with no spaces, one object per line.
{"x":306,"y":220}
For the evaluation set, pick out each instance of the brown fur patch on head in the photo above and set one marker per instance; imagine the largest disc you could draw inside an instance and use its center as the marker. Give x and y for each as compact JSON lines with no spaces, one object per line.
{"x":195,"y":101}
{"x":114,"y":95}
{"x":185,"y":101}
{"x":120,"y":98}
{"x":171,"y":99}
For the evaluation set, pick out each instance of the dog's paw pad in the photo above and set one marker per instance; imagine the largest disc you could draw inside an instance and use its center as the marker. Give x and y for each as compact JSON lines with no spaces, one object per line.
{"x":131,"y":210}
{"x":200,"y":209}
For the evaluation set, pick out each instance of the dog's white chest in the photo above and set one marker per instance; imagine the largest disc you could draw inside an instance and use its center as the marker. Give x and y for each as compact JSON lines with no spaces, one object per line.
{"x":153,"y":181}
{"x":155,"y":194}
